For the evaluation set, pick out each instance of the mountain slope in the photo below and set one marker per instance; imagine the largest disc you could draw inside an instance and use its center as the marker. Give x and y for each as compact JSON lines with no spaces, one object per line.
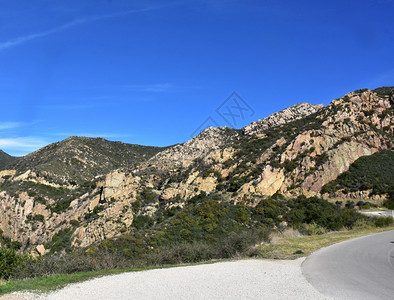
{"x":6,"y":159}
{"x":374,"y":173}
{"x":290,"y":156}
{"x":79,"y":159}
{"x":82,"y":191}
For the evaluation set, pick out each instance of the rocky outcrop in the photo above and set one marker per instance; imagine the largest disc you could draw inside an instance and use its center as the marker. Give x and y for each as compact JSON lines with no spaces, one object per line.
{"x":209,"y":142}
{"x":293,"y":152}
{"x":295,"y":112}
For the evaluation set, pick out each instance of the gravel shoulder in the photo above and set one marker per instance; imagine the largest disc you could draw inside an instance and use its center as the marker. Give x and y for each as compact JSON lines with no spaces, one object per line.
{"x":242,"y":279}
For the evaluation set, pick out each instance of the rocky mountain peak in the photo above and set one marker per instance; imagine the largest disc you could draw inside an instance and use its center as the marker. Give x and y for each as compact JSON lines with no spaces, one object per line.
{"x":79,"y":159}
{"x":292,"y":113}
{"x":110,"y":186}
{"x":208,"y":140}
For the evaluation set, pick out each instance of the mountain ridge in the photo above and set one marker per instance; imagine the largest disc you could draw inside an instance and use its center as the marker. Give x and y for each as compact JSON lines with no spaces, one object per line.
{"x":97,"y":190}
{"x":6,"y":159}
{"x":82,"y":158}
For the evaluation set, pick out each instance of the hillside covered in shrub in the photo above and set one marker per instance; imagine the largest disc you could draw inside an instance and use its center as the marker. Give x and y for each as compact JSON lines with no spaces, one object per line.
{"x":374,"y":172}
{"x":207,"y":227}
{"x":216,"y":196}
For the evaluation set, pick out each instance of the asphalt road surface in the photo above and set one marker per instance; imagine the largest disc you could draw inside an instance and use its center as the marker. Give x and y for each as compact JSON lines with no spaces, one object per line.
{"x":362,"y":268}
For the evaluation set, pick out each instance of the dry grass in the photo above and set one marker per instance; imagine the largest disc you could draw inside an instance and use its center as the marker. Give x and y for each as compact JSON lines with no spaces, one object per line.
{"x":291,"y":245}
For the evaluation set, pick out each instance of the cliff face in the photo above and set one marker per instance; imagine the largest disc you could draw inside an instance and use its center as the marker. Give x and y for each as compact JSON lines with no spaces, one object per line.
{"x":293,"y":152}
{"x":88,"y":192}
{"x":59,"y":191}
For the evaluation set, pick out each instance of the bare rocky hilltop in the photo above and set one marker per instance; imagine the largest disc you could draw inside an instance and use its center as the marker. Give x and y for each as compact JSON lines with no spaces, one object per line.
{"x":81,"y":191}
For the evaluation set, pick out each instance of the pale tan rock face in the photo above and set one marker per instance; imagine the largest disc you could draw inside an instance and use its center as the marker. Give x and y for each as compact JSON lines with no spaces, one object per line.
{"x":271,"y":181}
{"x":206,"y":184}
{"x":349,"y":128}
{"x":8,"y":173}
{"x":28,"y":208}
{"x":192,"y":177}
{"x":40,"y":209}
{"x":23,"y":176}
{"x":340,"y":161}
{"x":40,"y":250}
{"x":111,"y":222}
{"x":169,"y":193}
{"x":292,"y":113}
{"x":119,"y":186}
{"x":209,"y":141}
{"x":94,"y":202}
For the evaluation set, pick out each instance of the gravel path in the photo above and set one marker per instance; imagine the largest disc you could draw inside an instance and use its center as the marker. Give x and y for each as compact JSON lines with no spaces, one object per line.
{"x":243,"y":279}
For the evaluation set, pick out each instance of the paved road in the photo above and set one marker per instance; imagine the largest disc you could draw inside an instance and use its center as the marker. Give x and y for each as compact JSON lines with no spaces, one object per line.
{"x":389,"y":213}
{"x":362,"y":268}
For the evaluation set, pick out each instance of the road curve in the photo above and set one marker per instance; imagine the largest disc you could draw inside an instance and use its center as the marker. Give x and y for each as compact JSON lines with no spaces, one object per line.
{"x":362,"y":268}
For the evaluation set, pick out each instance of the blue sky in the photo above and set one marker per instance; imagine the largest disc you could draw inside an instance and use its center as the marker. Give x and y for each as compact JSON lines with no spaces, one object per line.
{"x":155,"y":72}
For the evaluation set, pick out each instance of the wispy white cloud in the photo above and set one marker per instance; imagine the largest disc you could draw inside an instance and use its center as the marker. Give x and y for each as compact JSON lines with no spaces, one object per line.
{"x":23,"y":39}
{"x":14,"y":125}
{"x":21,"y":144}
{"x":10,"y":125}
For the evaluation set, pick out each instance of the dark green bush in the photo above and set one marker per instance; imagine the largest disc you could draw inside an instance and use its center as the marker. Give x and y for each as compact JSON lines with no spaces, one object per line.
{"x":183,"y":253}
{"x":290,"y":165}
{"x":142,"y":221}
{"x":61,"y":241}
{"x":236,"y":184}
{"x":148,"y":196}
{"x":320,"y":212}
{"x":321,"y":159}
{"x":383,"y":221}
{"x":9,"y":262}
{"x":389,"y":203}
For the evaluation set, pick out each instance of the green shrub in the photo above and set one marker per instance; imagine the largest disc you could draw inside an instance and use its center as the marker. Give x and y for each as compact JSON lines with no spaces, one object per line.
{"x":39,"y":218}
{"x":389,"y":203}
{"x":236,"y":184}
{"x":312,"y":229}
{"x":383,"y":221}
{"x":148,"y":196}
{"x":384,"y":91}
{"x":239,"y":243}
{"x":320,"y":212}
{"x":290,"y":165}
{"x":142,"y":221}
{"x":61,"y":241}
{"x":183,"y":253}
{"x":9,"y":261}
{"x":321,"y":159}
{"x":74,"y":223}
